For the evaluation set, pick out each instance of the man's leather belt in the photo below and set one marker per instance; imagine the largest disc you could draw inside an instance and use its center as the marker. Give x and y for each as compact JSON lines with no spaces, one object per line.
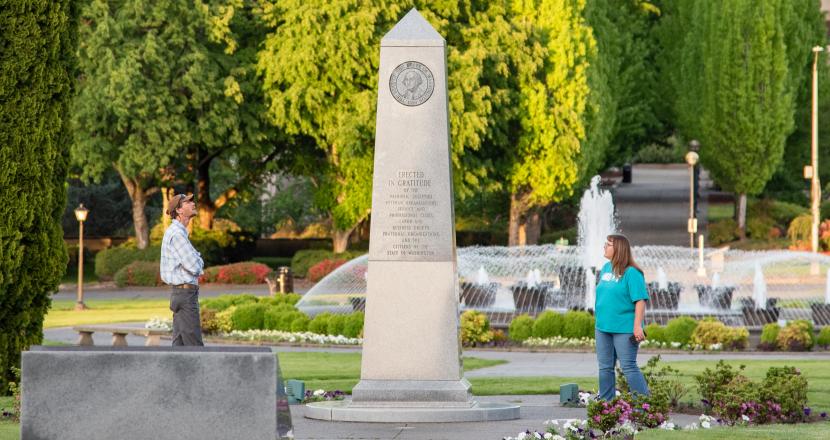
{"x":186,"y":286}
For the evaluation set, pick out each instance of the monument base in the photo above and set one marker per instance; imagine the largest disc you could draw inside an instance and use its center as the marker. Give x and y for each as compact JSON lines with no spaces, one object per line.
{"x":347,"y":411}
{"x":412,"y":393}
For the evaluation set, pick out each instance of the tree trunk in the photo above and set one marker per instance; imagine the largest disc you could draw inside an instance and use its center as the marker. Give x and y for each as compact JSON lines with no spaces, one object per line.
{"x":142,"y":227}
{"x":340,"y":239}
{"x":138,"y":196}
{"x":514,"y":229}
{"x":533,"y":227}
{"x":206,"y":207}
{"x":741,"y":214}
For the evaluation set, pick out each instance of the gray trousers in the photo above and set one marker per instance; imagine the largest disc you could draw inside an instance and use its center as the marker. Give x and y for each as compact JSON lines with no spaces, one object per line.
{"x":187,"y":329}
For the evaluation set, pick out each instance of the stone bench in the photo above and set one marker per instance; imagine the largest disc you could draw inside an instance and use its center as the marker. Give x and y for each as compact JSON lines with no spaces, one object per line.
{"x":140,"y":393}
{"x":119,"y":335}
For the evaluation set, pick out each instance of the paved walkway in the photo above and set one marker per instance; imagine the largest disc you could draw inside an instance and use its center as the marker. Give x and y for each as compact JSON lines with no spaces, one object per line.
{"x":654,"y":208}
{"x":535,"y":410}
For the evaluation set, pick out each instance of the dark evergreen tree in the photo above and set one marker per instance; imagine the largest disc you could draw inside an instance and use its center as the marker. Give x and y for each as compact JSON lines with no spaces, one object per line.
{"x":38,"y":38}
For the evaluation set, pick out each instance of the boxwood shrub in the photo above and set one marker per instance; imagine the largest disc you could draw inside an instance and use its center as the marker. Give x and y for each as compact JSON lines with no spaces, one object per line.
{"x":521,"y":328}
{"x":548,"y":324}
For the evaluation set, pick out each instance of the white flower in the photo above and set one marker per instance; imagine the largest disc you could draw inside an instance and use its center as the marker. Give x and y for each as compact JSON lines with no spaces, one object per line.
{"x":676,"y":344}
{"x":157,"y":323}
{"x":628,"y":428}
{"x":705,"y":425}
{"x":548,"y":436}
{"x":667,"y":426}
{"x":745,"y":418}
{"x":319,"y":393}
{"x":537,"y":435}
{"x":521,"y":436}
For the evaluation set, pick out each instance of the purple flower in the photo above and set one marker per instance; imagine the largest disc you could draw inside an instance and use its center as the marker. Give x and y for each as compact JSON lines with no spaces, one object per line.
{"x":597,"y":418}
{"x":646,"y":406}
{"x":807,"y":411}
{"x":823,"y":415}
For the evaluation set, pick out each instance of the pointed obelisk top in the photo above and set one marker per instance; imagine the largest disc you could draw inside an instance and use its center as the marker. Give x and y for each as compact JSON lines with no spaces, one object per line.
{"x":413,"y":30}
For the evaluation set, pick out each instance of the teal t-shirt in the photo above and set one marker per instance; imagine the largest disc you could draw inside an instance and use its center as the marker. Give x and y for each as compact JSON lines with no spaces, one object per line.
{"x":616,"y":297}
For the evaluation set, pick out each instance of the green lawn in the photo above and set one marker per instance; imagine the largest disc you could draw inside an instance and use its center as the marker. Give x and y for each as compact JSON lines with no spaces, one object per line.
{"x":804,"y":431}
{"x":340,"y":371}
{"x":63,"y":314}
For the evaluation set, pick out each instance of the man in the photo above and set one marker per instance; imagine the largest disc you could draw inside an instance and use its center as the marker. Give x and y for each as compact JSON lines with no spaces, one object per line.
{"x":181,"y":266}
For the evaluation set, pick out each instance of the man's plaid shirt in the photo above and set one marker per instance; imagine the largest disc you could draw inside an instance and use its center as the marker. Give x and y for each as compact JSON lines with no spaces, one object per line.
{"x":180,"y":262}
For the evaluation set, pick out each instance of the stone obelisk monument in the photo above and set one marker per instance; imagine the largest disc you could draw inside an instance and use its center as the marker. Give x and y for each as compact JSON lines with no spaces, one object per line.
{"x":411,"y":368}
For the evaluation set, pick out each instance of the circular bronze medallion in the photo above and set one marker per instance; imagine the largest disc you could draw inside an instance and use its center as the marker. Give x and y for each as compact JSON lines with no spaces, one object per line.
{"x":411,"y":83}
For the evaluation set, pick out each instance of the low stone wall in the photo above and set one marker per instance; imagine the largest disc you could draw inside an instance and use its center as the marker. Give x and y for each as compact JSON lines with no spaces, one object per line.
{"x":141,"y":393}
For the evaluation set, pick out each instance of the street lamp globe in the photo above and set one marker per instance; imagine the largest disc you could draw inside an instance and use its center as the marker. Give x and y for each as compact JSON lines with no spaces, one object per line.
{"x":81,"y":212}
{"x":691,"y":158}
{"x":694,"y":145}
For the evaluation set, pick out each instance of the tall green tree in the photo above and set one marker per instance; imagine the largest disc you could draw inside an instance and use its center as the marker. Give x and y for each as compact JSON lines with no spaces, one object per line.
{"x":320,"y":65}
{"x":39,"y":37}
{"x":165,"y":89}
{"x":735,"y":93}
{"x":804,"y":29}
{"x":553,"y":87}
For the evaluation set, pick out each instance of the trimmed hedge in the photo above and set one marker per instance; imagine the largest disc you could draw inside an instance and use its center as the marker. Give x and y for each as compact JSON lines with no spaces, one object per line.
{"x":249,"y":316}
{"x":138,"y":273}
{"x":109,"y":261}
{"x":304,"y":259}
{"x":521,"y":328}
{"x":548,"y":324}
{"x":237,"y":273}
{"x":680,"y":329}
{"x":323,"y":268}
{"x":656,"y":332}
{"x":576,"y":324}
{"x":354,"y":325}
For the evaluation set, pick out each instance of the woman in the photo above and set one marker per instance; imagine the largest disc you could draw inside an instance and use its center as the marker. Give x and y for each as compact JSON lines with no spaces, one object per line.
{"x":620,"y":311}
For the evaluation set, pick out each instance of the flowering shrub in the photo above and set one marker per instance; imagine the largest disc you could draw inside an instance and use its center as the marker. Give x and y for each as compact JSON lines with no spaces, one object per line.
{"x":735,"y":399}
{"x":786,"y":389}
{"x":138,"y":273}
{"x":664,"y":384}
{"x":560,"y":342}
{"x":709,"y":333}
{"x":475,"y":328}
{"x":636,"y":410}
{"x":321,"y":395}
{"x":323,"y":268}
{"x":157,"y":323}
{"x":237,"y":273}
{"x":300,"y":338}
{"x":209,"y":322}
{"x":796,"y":336}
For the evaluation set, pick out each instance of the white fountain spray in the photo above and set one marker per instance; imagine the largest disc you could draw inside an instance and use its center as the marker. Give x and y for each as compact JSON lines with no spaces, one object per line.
{"x":662,"y":280}
{"x":481,"y":276}
{"x":596,"y":223}
{"x":590,"y":290}
{"x":759,"y":288}
{"x":827,"y":289}
{"x":716,"y":280}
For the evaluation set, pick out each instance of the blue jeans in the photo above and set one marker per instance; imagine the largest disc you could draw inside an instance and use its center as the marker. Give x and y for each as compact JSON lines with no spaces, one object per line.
{"x":613,"y":346}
